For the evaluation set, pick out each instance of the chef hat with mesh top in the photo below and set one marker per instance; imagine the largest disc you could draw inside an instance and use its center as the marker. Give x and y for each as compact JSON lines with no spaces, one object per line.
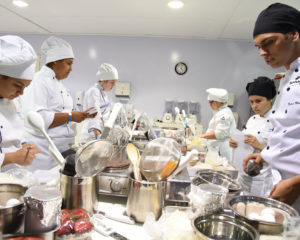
{"x":262,"y":86}
{"x":277,"y":18}
{"x":217,"y":94}
{"x":56,"y":49}
{"x":107,"y":72}
{"x":17,"y":58}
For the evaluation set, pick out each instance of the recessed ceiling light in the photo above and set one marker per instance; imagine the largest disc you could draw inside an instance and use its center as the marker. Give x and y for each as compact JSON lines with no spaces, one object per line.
{"x":175,"y":4}
{"x":20,"y":3}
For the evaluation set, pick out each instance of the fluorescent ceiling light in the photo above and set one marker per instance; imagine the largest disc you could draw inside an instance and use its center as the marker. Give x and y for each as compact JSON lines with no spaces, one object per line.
{"x":175,"y":4}
{"x":20,"y":3}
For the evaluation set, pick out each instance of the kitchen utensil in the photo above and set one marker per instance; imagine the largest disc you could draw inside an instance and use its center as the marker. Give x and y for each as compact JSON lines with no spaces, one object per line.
{"x":92,"y":157}
{"x":264,"y":227}
{"x":37,"y":122}
{"x":11,"y":218}
{"x":104,"y":229}
{"x":221,"y":226}
{"x":111,"y":121}
{"x":134,"y":157}
{"x":144,"y":197}
{"x":79,"y":192}
{"x":43,"y":205}
{"x":184,"y":161}
{"x":119,"y":217}
{"x":252,"y":168}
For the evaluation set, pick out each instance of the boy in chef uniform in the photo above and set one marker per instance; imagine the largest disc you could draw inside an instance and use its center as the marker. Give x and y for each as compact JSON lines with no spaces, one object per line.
{"x":276,"y":34}
{"x":222,"y":123}
{"x":17,"y":64}
{"x":49,"y":97}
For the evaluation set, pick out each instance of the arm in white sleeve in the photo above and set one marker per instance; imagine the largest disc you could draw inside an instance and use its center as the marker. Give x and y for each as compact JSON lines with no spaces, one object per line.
{"x":2,"y":155}
{"x":222,"y":130}
{"x":90,"y":99}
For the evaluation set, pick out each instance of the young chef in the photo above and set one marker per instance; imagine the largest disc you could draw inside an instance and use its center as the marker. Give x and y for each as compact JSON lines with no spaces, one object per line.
{"x":107,"y":76}
{"x":257,"y":130}
{"x":276,"y":34}
{"x":17,"y":64}
{"x":222,"y":123}
{"x":49,"y":97}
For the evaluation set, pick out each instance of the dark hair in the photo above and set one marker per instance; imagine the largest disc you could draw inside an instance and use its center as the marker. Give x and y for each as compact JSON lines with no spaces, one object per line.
{"x":262,"y":86}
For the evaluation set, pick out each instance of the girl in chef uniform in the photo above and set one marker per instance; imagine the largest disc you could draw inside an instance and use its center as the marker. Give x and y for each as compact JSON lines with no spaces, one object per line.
{"x":277,"y":35}
{"x":97,"y":96}
{"x":222,"y":123}
{"x":257,"y":130}
{"x":49,"y":97}
{"x":17,"y":64}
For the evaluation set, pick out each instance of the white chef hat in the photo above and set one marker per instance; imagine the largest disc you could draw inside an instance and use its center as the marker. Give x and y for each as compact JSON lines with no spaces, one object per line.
{"x":56,"y":49}
{"x":107,"y":72}
{"x":17,"y":57}
{"x":217,"y":94}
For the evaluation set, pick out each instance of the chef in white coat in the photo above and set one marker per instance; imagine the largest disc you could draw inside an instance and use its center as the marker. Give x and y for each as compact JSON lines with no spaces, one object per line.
{"x":257,"y":130}
{"x":222,"y":124}
{"x":97,"y":96}
{"x":49,"y":97}
{"x":17,"y":64}
{"x":276,"y":34}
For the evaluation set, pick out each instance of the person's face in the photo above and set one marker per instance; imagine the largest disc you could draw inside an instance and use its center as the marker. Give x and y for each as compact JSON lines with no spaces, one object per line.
{"x":215,"y":105}
{"x":260,"y":105}
{"x":62,"y":68}
{"x":108,"y":84}
{"x":277,"y":49}
{"x":12,"y":87}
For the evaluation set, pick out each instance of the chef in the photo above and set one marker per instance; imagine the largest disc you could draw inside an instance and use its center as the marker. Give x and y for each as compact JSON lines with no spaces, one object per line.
{"x":17,"y":64}
{"x":49,"y":97}
{"x":222,"y":123}
{"x":107,"y":75}
{"x":257,"y":130}
{"x":276,"y":34}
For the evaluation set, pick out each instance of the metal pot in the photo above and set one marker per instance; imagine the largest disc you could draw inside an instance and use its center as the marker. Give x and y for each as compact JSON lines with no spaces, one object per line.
{"x":263,"y":226}
{"x":222,"y":226}
{"x":12,"y":218}
{"x":79,"y":192}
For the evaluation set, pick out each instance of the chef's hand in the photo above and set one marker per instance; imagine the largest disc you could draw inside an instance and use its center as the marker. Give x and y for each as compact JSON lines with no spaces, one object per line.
{"x":233,"y":143}
{"x":256,"y":156}
{"x":24,"y":156}
{"x":287,"y":191}
{"x":78,"y":116}
{"x":252,"y":141}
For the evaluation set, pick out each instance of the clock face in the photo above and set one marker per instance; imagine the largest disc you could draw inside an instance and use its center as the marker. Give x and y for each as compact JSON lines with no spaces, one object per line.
{"x":181,"y":68}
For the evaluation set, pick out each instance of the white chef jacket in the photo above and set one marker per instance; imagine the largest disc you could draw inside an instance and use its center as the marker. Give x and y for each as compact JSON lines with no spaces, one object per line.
{"x":47,"y":95}
{"x":11,"y":130}
{"x":93,"y":95}
{"x":223,"y":124}
{"x":262,"y":184}
{"x":283,"y":148}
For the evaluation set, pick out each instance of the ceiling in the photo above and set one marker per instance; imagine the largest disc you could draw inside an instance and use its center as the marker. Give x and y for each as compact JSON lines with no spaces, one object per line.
{"x":207,"y":19}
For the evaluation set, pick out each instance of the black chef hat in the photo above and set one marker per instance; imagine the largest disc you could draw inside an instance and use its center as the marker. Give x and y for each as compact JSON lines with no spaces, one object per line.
{"x":262,"y":86}
{"x":278,"y":18}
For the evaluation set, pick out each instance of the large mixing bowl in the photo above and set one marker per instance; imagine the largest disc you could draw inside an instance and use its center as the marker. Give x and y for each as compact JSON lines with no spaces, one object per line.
{"x":263,"y":226}
{"x":12,"y":218}
{"x":221,"y":226}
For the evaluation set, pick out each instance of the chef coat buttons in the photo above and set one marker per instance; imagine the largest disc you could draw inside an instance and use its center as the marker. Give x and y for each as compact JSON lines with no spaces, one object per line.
{"x":288,"y":89}
{"x":296,"y":70}
{"x":273,"y":111}
{"x":286,"y":111}
{"x":284,"y":131}
{"x":258,"y":132}
{"x":268,"y":147}
{"x":278,"y":92}
{"x":63,"y":107}
{"x":253,"y":117}
{"x":1,"y":126}
{"x":61,"y":91}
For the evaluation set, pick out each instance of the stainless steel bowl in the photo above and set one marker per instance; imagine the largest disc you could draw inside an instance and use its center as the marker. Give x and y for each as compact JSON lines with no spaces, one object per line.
{"x":12,"y":218}
{"x":219,"y":178}
{"x":222,"y":226}
{"x":263,"y":226}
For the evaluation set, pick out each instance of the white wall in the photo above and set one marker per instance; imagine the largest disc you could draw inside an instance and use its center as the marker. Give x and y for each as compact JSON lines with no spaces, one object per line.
{"x":148,"y":63}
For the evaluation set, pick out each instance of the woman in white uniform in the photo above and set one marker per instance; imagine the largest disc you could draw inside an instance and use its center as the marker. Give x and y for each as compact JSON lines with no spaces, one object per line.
{"x":17,"y":63}
{"x":49,"y":97}
{"x":107,"y":75}
{"x":277,"y":35}
{"x":222,"y":123}
{"x":257,"y":131}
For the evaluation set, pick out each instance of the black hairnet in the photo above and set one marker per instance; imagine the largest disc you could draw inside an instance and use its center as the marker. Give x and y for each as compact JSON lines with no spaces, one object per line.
{"x":262,"y":86}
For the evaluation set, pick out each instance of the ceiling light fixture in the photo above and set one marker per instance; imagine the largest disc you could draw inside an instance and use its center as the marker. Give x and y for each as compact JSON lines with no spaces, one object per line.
{"x":20,"y":3}
{"x":175,"y":4}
